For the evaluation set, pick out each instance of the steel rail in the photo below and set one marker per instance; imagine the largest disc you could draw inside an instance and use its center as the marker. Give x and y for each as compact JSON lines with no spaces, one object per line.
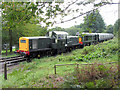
{"x":2,"y":60}
{"x":10,"y":61}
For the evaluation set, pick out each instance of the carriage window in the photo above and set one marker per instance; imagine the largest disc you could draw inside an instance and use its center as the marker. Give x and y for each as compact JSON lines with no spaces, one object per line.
{"x":90,"y":38}
{"x":86,"y":38}
{"x":23,"y":41}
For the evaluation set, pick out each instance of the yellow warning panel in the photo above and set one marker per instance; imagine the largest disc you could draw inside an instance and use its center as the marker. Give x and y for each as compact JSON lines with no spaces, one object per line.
{"x":23,"y":44}
{"x":80,"y":39}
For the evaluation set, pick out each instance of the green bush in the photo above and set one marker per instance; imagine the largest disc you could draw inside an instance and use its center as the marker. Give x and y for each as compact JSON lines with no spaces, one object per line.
{"x":101,"y":50}
{"x":90,"y":85}
{"x":93,"y":76}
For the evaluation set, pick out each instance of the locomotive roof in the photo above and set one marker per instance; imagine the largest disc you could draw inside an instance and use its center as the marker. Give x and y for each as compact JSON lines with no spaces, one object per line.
{"x":72,"y":36}
{"x":90,"y":33}
{"x":97,"y":33}
{"x":60,"y":32}
{"x":35,"y":37}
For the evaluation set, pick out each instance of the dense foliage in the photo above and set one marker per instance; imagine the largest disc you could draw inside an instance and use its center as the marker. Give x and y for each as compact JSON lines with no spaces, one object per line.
{"x":94,"y":76}
{"x":117,"y":27}
{"x":28,"y":30}
{"x":109,"y":29}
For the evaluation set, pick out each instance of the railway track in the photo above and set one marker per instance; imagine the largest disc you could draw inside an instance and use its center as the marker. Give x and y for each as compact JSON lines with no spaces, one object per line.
{"x":12,"y":60}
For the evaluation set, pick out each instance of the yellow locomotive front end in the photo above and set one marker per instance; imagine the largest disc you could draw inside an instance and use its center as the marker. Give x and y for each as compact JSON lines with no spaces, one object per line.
{"x":80,"y":41}
{"x":23,"y":46}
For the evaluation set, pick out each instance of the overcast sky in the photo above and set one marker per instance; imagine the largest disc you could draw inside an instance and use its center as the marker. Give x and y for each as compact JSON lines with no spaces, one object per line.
{"x":108,"y":12}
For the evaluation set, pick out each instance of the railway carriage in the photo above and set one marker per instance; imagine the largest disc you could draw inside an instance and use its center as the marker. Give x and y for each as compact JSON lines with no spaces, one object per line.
{"x":74,"y":42}
{"x":93,"y":38}
{"x":90,"y":38}
{"x":105,"y":36}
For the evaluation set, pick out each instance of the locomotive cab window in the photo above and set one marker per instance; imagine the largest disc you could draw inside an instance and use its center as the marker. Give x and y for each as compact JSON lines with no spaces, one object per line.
{"x":61,"y":36}
{"x":23,"y":41}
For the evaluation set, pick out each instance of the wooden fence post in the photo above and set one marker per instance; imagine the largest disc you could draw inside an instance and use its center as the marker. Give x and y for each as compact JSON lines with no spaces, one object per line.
{"x":77,"y":65}
{"x":5,"y":71}
{"x":55,"y":69}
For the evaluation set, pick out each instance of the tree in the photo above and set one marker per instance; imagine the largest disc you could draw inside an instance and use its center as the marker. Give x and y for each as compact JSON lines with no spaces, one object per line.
{"x":94,"y":22}
{"x":34,"y":30}
{"x":57,"y":29}
{"x":73,"y":30}
{"x":17,"y":14}
{"x":0,"y":34}
{"x":23,"y":31}
{"x":109,"y":29}
{"x":116,"y":27}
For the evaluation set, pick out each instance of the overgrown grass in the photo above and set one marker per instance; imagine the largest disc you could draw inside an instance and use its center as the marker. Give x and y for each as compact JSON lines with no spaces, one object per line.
{"x":40,"y":72}
{"x":9,"y":55}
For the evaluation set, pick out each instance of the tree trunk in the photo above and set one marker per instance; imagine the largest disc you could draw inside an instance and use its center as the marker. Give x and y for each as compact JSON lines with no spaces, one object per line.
{"x":10,"y":38}
{"x":0,"y":52}
{"x":0,"y":45}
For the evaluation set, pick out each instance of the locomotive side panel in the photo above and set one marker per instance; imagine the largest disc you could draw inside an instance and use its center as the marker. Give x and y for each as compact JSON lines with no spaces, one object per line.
{"x":73,"y":40}
{"x":44,"y":43}
{"x":33,"y":44}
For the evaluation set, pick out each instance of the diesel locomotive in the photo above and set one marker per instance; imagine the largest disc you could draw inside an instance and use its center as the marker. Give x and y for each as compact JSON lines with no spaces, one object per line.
{"x":57,"y":42}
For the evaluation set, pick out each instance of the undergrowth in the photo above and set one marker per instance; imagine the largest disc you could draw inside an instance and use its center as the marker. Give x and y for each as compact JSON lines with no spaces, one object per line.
{"x":93,"y":76}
